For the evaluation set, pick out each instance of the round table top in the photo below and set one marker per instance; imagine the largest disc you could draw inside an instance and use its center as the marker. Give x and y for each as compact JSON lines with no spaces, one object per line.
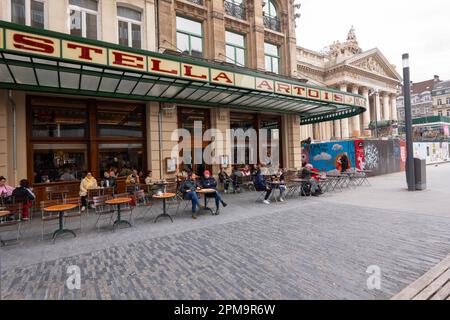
{"x":4,"y":213}
{"x":164,"y":195}
{"x":206,"y":190}
{"x":118,"y":201}
{"x":60,"y":207}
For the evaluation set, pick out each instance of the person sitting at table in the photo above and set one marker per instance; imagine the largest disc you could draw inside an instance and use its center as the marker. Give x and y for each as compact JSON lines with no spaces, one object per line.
{"x":133,"y":178}
{"x":307,"y":174}
{"x":109,"y":180}
{"x":279,"y":177}
{"x":260,"y":184}
{"x":209,"y":182}
{"x":246,"y":170}
{"x":89,"y":182}
{"x":149,"y":178}
{"x":234,"y":176}
{"x":5,"y":190}
{"x":188,"y":188}
{"x":26,"y":193}
{"x":225,"y":179}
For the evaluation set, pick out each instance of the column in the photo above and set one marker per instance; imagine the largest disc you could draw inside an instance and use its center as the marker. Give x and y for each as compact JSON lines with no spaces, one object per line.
{"x":356,"y":123}
{"x":337,"y":129}
{"x":344,"y":122}
{"x":378,"y":106}
{"x":386,"y":107}
{"x":393,"y":105}
{"x":366,"y":115}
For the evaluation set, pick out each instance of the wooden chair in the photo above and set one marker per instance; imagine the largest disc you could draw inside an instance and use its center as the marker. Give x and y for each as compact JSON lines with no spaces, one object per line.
{"x":54,"y":192}
{"x":48,"y":216}
{"x":12,"y":220}
{"x":108,"y":191}
{"x":177,"y":200}
{"x":131,"y":188}
{"x":91,"y":194}
{"x":102,"y":209}
{"x":74,"y":213}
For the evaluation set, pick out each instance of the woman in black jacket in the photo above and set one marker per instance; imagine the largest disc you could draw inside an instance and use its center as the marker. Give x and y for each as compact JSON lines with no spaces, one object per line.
{"x":25,"y":196}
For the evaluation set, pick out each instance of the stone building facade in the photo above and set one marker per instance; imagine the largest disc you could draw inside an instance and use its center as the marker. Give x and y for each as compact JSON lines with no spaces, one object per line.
{"x":345,"y":66}
{"x":441,"y":99}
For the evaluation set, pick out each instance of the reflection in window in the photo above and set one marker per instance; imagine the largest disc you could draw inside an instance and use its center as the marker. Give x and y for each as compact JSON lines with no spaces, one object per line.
{"x":189,"y":37}
{"x":28,"y":12}
{"x":59,"y":162}
{"x":83,"y":18}
{"x":51,"y":122}
{"x":129,"y":27}
{"x":121,"y":158}
{"x":120,"y":120}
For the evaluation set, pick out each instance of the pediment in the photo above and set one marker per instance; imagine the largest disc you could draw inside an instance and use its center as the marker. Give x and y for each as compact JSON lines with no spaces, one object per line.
{"x":374,"y":62}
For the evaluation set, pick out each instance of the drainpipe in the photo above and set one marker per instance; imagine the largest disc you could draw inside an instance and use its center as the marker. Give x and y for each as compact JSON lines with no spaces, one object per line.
{"x":160,"y":141}
{"x":14,"y":128}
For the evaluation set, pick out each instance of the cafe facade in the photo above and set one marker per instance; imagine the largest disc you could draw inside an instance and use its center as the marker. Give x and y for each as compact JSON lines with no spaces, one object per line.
{"x":71,"y":104}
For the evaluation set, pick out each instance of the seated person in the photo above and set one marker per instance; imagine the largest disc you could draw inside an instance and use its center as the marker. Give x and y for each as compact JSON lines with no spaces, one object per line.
{"x":133,"y":178}
{"x":5,"y":190}
{"x":208,"y":182}
{"x":24,"y":192}
{"x":279,"y":177}
{"x":260,"y":184}
{"x":109,"y":180}
{"x":226,"y":180}
{"x":149,"y":178}
{"x":307,"y":174}
{"x":246,"y":170}
{"x":234,"y":176}
{"x":89,"y":182}
{"x":67,"y":176}
{"x":188,"y":189}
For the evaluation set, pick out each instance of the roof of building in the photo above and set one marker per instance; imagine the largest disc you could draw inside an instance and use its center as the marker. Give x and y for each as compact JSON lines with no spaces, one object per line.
{"x":442,"y":85}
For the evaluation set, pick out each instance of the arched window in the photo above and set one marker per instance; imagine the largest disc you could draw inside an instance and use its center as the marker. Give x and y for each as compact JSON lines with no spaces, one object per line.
{"x":271,"y":18}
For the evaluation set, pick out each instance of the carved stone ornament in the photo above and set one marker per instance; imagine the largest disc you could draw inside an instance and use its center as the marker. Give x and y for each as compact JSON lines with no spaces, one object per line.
{"x":372,"y":65}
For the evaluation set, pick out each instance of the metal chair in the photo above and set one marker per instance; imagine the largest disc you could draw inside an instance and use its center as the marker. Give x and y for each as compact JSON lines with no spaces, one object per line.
{"x":102,"y":209}
{"x":108,"y":191}
{"x":48,"y":216}
{"x":143,"y":201}
{"x":13,"y":219}
{"x":54,"y":193}
{"x":131,"y":188}
{"x":74,"y":213}
{"x":177,"y":200}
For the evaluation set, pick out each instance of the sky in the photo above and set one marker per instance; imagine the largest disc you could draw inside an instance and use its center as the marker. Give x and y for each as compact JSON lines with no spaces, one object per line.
{"x":420,"y":28}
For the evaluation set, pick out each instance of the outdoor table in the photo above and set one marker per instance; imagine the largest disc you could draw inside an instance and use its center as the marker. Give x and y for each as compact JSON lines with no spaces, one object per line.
{"x":119,"y":202}
{"x":4,"y":214}
{"x":164,"y":197}
{"x":61,"y":209}
{"x":300,"y":182}
{"x":161,"y":184}
{"x":206,"y":192}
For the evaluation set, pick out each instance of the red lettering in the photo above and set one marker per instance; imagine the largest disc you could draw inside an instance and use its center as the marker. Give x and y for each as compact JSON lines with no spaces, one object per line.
{"x":224,"y":76}
{"x":313,"y":93}
{"x":284,"y":87}
{"x":300,"y":91}
{"x":156,"y":66}
{"x":85,"y":50}
{"x":128,"y":60}
{"x":265,"y":84}
{"x":188,"y":73}
{"x":337,"y":98}
{"x":326,"y":95}
{"x":41,"y":45}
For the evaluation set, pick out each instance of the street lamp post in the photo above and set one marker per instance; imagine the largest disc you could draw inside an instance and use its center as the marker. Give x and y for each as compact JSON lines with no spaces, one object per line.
{"x":410,"y":176}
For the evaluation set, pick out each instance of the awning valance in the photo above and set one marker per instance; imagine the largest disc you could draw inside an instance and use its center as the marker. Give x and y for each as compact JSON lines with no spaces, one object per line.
{"x":46,"y":61}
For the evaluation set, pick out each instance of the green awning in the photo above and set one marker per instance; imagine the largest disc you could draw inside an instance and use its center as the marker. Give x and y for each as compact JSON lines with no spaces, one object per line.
{"x":45,"y":61}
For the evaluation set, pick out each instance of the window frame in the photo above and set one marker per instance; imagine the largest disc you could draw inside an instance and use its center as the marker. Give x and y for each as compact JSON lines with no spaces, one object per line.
{"x":190,"y":35}
{"x":235,"y":47}
{"x":130,"y":23}
{"x":278,"y":57}
{"x":269,"y":13}
{"x":84,"y":11}
{"x":28,"y":12}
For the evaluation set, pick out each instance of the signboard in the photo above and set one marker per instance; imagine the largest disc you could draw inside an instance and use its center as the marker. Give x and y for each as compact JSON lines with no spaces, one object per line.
{"x":59,"y":46}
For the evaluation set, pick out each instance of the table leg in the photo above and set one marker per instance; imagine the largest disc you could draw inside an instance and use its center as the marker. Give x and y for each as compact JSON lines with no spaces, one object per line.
{"x":119,"y":220}
{"x":61,"y":229}
{"x":206,"y":206}
{"x":164,"y":214}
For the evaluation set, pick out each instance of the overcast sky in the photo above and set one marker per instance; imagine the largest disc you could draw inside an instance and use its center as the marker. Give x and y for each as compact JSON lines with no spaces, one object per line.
{"x":420,"y":28}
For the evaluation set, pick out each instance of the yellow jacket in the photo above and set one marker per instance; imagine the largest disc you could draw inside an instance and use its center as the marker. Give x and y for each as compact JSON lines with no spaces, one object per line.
{"x":87,"y":184}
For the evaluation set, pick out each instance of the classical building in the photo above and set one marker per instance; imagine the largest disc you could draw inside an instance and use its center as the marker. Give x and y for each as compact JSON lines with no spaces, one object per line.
{"x":346,"y":67}
{"x":441,"y":99}
{"x":95,"y":85}
{"x":421,"y":99}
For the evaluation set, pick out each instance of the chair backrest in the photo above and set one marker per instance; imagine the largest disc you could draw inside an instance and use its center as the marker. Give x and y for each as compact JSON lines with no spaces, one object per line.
{"x":100,"y":205}
{"x":131,"y":188}
{"x":54,"y":192}
{"x":172,"y":187}
{"x":109,"y":191}
{"x":74,"y":200}
{"x":15,"y":209}
{"x":93,"y":193}
{"x":71,"y":190}
{"x":139,"y":195}
{"x":122,"y":195}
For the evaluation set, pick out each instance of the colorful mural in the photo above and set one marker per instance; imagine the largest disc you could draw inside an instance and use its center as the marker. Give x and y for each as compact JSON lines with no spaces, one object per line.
{"x":325,"y":156}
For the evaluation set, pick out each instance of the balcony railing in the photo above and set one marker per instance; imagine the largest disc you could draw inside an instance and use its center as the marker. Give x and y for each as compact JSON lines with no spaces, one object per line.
{"x":199,"y":2}
{"x":236,"y":10}
{"x":272,"y":23}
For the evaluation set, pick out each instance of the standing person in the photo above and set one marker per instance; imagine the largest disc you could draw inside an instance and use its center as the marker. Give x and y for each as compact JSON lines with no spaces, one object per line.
{"x":26,"y":193}
{"x":188,"y":189}
{"x":260,"y":184}
{"x":5,"y":190}
{"x":208,"y":182}
{"x":89,"y":182}
{"x":344,"y":162}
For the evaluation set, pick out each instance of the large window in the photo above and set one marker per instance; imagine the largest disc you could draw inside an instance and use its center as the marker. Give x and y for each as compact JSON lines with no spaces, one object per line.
{"x":130,"y":24}
{"x":83,"y":18}
{"x":68,"y":137}
{"x":272,"y":57}
{"x":235,"y":48}
{"x":189,"y":37}
{"x":28,"y":12}
{"x":270,"y":17}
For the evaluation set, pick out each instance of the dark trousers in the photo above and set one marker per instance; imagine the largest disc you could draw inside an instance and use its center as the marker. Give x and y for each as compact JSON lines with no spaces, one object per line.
{"x":84,"y":201}
{"x":217,"y":197}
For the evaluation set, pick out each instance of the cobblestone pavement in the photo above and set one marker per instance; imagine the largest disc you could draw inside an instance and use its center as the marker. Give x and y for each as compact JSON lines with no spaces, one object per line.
{"x":304,"y":249}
